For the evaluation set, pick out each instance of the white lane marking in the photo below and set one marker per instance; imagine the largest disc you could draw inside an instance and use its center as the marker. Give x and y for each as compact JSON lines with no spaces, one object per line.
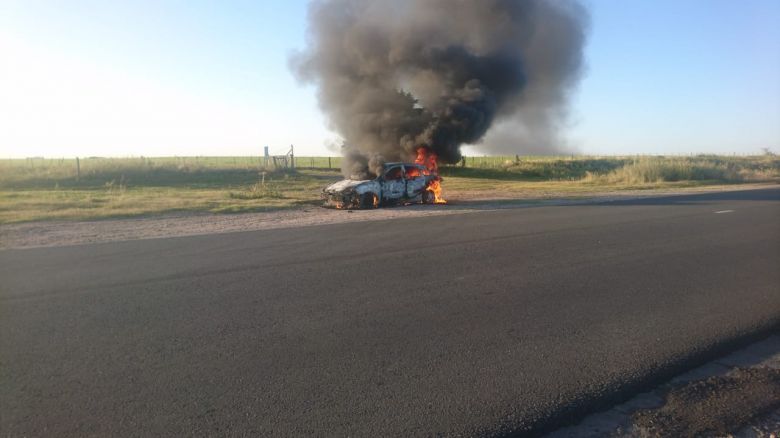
{"x":724,"y":211}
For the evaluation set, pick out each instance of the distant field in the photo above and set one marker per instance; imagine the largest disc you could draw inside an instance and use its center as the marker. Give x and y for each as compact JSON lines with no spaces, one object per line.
{"x":41,"y":189}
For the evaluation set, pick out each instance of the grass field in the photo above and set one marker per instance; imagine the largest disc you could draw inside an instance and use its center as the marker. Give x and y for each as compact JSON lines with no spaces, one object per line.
{"x":42,"y":189}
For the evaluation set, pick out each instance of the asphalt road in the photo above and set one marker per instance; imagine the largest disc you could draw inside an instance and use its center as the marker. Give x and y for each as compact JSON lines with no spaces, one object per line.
{"x":485,"y":323}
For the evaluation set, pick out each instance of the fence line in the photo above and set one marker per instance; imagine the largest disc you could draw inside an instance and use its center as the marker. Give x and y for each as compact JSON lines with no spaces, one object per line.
{"x":86,"y":164}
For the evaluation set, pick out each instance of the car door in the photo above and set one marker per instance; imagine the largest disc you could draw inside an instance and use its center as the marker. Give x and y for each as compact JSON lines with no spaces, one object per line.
{"x":393,"y":184}
{"x":415,"y":181}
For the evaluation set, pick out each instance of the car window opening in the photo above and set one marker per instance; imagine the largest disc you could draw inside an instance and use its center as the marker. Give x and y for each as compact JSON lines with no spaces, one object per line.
{"x":394,"y":174}
{"x":413,"y":172}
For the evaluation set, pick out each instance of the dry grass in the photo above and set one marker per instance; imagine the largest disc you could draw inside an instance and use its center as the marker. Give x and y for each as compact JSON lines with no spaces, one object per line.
{"x":658,"y":170}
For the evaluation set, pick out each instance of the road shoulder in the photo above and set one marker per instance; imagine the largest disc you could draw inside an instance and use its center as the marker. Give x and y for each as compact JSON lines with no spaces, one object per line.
{"x":735,"y":396}
{"x":66,"y":233}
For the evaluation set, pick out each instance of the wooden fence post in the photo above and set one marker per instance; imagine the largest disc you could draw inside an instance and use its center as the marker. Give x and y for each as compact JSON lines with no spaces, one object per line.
{"x":78,"y":169}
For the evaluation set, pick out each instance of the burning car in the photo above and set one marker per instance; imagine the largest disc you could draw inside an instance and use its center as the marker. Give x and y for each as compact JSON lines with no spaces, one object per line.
{"x":398,"y":183}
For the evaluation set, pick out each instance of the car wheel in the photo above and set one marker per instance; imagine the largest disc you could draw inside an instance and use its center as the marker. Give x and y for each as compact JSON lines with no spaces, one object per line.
{"x":428,"y":197}
{"x":369,"y":200}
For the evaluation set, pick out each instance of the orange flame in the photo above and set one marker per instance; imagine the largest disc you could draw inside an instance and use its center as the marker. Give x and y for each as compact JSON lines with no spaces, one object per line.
{"x":429,"y":159}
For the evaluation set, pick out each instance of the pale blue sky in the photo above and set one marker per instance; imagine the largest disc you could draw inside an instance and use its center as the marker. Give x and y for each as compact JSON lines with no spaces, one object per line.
{"x":152,"y":78}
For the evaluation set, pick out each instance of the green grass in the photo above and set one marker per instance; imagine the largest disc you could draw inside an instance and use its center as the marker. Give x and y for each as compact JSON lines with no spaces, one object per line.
{"x":45,"y":189}
{"x":107,"y":188}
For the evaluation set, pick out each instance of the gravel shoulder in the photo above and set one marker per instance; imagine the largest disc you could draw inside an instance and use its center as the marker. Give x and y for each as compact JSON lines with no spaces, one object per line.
{"x":65,"y":233}
{"x":736,"y":396}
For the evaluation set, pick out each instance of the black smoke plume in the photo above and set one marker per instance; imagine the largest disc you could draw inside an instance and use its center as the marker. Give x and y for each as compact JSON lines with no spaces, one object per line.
{"x":396,"y":75}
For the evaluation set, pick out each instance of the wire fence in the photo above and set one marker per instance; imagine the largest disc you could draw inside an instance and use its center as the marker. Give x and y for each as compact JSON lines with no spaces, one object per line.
{"x":88,"y":164}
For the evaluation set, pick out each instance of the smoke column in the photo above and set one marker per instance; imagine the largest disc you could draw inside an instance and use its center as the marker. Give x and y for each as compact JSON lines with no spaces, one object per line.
{"x":396,"y":75}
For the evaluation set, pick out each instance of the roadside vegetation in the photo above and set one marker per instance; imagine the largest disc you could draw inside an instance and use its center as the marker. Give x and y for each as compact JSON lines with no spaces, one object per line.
{"x":42,"y":189}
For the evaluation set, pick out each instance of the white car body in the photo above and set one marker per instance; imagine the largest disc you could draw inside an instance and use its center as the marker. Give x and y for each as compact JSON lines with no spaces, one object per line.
{"x":399,"y":183}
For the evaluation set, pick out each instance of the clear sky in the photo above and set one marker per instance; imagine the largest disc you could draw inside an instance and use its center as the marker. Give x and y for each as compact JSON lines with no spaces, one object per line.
{"x":156,"y":77}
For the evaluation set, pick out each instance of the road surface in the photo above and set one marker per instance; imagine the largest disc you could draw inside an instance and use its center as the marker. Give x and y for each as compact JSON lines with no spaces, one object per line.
{"x":489,"y":323}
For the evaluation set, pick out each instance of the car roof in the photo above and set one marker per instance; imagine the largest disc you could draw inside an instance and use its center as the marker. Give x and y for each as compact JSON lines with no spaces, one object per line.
{"x":400,"y":163}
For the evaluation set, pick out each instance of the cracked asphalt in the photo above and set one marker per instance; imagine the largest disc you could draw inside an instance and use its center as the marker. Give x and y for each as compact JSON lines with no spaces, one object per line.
{"x":509,"y":322}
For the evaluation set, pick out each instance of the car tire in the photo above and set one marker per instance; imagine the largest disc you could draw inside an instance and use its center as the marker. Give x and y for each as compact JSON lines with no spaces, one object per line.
{"x":428,"y":197}
{"x":369,"y":201}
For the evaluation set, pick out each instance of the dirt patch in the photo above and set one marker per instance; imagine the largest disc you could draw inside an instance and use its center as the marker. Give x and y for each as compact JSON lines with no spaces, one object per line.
{"x":716,"y":406}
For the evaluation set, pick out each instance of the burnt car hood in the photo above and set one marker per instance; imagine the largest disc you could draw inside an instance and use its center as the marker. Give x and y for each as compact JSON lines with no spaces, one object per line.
{"x":345,"y":185}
